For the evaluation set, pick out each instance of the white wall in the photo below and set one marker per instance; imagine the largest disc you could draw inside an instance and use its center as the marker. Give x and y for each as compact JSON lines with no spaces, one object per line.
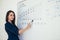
{"x":6,"y":5}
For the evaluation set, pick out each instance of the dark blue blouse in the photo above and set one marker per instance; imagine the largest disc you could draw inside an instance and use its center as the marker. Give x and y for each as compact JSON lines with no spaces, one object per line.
{"x":12,"y":31}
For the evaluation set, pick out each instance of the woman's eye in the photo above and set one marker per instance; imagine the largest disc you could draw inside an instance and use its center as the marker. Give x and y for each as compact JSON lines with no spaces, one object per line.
{"x":10,"y":15}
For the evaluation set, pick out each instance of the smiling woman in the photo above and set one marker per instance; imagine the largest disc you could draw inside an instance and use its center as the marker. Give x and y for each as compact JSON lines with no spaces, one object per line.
{"x":11,"y":28}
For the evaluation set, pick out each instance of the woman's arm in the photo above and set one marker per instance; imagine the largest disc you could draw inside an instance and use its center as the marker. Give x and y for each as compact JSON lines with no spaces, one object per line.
{"x":23,"y":30}
{"x":10,"y":29}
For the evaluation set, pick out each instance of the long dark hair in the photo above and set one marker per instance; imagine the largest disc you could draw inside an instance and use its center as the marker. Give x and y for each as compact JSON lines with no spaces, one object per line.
{"x":8,"y":12}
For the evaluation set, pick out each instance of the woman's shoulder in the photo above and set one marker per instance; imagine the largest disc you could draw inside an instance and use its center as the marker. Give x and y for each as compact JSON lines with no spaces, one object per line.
{"x":7,"y":23}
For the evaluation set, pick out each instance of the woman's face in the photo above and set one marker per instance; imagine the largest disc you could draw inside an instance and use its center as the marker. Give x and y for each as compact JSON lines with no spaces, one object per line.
{"x":11,"y":16}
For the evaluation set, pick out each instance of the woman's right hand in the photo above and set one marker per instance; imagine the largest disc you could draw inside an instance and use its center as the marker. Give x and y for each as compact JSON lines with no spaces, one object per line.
{"x":21,"y":31}
{"x":28,"y":26}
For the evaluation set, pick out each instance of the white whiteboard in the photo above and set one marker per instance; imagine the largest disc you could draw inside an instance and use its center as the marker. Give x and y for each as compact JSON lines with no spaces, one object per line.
{"x":46,"y":16}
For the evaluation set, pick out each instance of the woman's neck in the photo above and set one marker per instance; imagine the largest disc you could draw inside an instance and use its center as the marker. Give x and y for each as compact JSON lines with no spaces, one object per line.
{"x":9,"y":21}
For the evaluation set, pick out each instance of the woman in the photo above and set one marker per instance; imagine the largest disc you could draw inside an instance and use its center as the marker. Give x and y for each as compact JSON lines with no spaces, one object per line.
{"x":11,"y":28}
